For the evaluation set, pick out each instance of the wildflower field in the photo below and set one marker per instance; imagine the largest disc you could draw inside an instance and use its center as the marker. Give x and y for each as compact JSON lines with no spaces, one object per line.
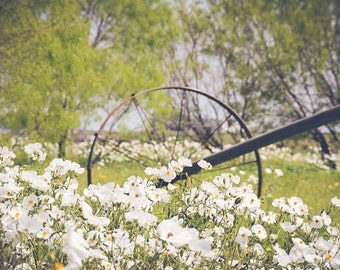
{"x":48,"y":221}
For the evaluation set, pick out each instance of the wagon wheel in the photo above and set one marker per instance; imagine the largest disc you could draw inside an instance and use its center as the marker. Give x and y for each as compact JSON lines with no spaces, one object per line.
{"x":158,"y":125}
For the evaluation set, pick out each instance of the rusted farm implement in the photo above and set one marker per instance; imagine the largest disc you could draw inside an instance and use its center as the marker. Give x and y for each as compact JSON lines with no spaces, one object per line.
{"x":191,"y":123}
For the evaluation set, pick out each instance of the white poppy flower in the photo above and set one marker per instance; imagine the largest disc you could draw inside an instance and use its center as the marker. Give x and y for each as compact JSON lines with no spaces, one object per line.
{"x":35,"y":152}
{"x":242,"y":237}
{"x":335,"y":201}
{"x":259,"y":231}
{"x":316,"y":222}
{"x":185,"y":162}
{"x":143,"y":218}
{"x":205,"y":165}
{"x":172,"y":232}
{"x":167,"y":174}
{"x":29,"y":201}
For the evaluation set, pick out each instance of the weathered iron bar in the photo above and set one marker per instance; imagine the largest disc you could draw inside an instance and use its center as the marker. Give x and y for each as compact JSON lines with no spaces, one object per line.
{"x":257,"y":142}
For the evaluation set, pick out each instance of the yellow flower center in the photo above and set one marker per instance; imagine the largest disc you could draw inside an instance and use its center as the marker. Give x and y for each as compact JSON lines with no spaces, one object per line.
{"x":58,"y":265}
{"x":329,"y":257}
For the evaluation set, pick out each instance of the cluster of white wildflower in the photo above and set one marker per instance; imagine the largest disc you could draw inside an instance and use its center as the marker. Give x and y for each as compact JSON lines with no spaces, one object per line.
{"x":169,"y":173}
{"x":118,"y":151}
{"x":312,"y":156}
{"x":47,"y":223}
{"x":306,"y":244}
{"x":6,"y":157}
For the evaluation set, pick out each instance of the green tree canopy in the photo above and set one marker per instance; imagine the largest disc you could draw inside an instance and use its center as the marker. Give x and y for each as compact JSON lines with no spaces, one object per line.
{"x":272,"y":61}
{"x":52,"y":71}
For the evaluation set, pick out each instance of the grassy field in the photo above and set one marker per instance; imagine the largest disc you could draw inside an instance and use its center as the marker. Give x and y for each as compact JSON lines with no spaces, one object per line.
{"x":314,"y":185}
{"x":140,"y":222}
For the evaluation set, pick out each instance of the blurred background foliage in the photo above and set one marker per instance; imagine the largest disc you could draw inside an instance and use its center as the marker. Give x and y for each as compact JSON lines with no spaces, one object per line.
{"x":65,"y":64}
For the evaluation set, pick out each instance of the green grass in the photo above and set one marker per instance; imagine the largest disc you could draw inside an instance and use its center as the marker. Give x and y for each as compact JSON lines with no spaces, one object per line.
{"x":117,"y":173}
{"x":314,"y":185}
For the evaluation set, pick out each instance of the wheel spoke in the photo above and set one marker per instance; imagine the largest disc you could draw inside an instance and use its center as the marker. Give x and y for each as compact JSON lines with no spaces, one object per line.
{"x":185,"y":122}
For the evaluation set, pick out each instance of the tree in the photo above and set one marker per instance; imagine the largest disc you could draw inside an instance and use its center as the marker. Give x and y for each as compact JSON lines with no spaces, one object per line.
{"x":272,"y":61}
{"x":309,"y":72}
{"x":185,"y":61}
{"x":50,"y":73}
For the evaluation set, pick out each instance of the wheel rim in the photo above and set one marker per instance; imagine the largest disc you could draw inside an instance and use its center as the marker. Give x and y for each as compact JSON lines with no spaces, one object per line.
{"x":158,"y":125}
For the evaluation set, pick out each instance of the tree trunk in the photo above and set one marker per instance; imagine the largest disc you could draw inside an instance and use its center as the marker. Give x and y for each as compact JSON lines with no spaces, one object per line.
{"x":62,"y":146}
{"x":321,"y":140}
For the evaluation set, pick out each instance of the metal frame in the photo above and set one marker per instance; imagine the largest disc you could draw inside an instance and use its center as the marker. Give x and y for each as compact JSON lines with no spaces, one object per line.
{"x":253,"y":144}
{"x":193,"y":90}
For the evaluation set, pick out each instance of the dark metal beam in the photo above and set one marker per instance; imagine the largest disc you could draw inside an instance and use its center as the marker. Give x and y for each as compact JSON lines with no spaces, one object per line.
{"x":255,"y":143}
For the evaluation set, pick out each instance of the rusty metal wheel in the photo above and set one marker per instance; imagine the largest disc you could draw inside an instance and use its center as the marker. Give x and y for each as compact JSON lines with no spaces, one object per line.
{"x":158,"y":125}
